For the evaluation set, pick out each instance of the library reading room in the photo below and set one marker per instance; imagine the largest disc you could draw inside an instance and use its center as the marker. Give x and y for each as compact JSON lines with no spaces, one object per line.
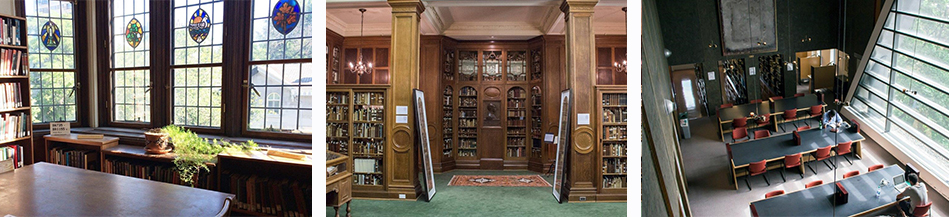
{"x":156,"y":108}
{"x":795,"y":108}
{"x":464,"y":108}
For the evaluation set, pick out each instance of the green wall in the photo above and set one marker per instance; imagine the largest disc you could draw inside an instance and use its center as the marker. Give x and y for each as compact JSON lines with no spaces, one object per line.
{"x":859,"y":23}
{"x":689,"y":26}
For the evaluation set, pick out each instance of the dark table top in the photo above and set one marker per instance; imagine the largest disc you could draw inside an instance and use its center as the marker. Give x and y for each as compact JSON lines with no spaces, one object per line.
{"x":806,"y":101}
{"x":44,"y":189}
{"x":818,"y":200}
{"x":728,"y":114}
{"x":777,"y":146}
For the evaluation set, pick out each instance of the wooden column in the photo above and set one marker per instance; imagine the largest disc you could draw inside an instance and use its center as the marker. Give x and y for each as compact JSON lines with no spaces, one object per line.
{"x":580,"y":79}
{"x":404,"y":65}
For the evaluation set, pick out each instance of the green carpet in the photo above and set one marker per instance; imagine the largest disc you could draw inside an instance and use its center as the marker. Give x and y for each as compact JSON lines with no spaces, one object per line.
{"x":488,"y":201}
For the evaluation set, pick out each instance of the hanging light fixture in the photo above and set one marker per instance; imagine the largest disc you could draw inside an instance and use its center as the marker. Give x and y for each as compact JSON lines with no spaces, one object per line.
{"x":361,"y":67}
{"x":621,"y":67}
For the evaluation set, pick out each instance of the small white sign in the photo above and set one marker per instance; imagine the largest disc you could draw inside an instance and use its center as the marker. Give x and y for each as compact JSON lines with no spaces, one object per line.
{"x":583,"y":119}
{"x":711,"y":76}
{"x":751,"y":71}
{"x":401,"y":110}
{"x":790,"y":66}
{"x":59,"y":128}
{"x":549,"y":137}
{"x":401,"y":119}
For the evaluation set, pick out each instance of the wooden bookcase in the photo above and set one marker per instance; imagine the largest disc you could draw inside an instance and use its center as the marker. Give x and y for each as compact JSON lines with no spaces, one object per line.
{"x":517,"y":124}
{"x":356,"y":128}
{"x":128,"y":160}
{"x":262,"y":183}
{"x":447,"y":130}
{"x":15,"y":76}
{"x":467,"y":123}
{"x":74,"y":152}
{"x":536,"y":132}
{"x":612,"y":119}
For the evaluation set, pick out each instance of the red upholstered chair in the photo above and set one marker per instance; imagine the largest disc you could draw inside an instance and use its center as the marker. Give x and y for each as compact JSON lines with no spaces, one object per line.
{"x":755,"y":101}
{"x":851,"y":173}
{"x":922,"y":210}
{"x":773,"y":193}
{"x":790,"y":116}
{"x":739,"y":122}
{"x":739,"y":133}
{"x":797,"y":138}
{"x":844,"y":148}
{"x":875,"y":167}
{"x":814,"y":183}
{"x":791,"y":161}
{"x":757,"y":168}
{"x":762,"y":134}
{"x":765,"y":120}
{"x":799,"y":95}
{"x":726,"y":105}
{"x":816,"y":111}
{"x":820,"y":155}
{"x":776,"y":97}
{"x":803,"y":128}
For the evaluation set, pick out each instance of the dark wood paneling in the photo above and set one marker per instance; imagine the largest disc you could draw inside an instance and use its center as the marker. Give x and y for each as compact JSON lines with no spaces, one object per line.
{"x":429,"y":62}
{"x":333,"y":41}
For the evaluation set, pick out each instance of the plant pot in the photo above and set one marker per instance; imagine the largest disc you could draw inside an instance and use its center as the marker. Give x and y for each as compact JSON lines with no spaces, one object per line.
{"x":157,"y":143}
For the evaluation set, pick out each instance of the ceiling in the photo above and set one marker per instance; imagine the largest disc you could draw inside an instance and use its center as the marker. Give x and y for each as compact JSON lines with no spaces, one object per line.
{"x":473,"y":20}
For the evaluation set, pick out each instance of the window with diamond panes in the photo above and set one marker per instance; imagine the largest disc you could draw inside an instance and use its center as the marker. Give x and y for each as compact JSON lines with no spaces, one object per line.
{"x":51,"y":40}
{"x":130,"y":61}
{"x":197,"y":35}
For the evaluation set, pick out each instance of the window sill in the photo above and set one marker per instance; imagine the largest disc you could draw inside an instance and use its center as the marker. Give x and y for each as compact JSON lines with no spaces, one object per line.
{"x":137,"y":137}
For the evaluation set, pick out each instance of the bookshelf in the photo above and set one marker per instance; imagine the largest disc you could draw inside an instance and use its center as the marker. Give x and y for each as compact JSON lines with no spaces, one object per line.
{"x":447,"y":133}
{"x":772,"y":74}
{"x":356,"y":128}
{"x":468,"y":123}
{"x":74,"y":152}
{"x":337,"y":121}
{"x":516,"y":147}
{"x":265,"y":185}
{"x":612,"y":111}
{"x":15,"y":122}
{"x":132,"y":161}
{"x":536,"y":132}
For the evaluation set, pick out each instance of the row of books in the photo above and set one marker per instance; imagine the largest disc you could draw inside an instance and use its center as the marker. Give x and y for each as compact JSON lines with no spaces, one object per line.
{"x":468,"y":143}
{"x":10,"y":95}
{"x":166,"y":173}
{"x":516,"y":113}
{"x":14,"y":125}
{"x":614,"y":165}
{"x":367,"y":179}
{"x":520,"y":93}
{"x":614,"y":149}
{"x":369,"y":99}
{"x":337,"y":98}
{"x":614,"y":115}
{"x":66,"y":156}
{"x":515,"y":152}
{"x":614,"y":182}
{"x":614,"y":132}
{"x":515,"y":141}
{"x":614,"y":99}
{"x":447,"y":153}
{"x":373,"y":113}
{"x":366,"y":165}
{"x":516,"y":123}
{"x":338,"y":146}
{"x":467,"y":153}
{"x":12,"y":152}
{"x":368,"y":130}
{"x":271,"y":196}
{"x":337,"y":129}
{"x":516,"y":131}
{"x":469,"y":102}
{"x":468,"y":91}
{"x":10,"y":31}
{"x":368,"y":147}
{"x":337,"y":113}
{"x":447,"y":144}
{"x":468,"y":123}
{"x":13,"y":62}
{"x":515,"y":103}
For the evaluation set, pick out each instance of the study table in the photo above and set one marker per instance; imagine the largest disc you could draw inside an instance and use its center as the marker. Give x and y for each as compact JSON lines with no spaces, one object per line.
{"x":819,"y":200}
{"x":772,"y":107}
{"x":44,"y":189}
{"x":801,"y":103}
{"x":775,"y":147}
{"x":727,"y":115}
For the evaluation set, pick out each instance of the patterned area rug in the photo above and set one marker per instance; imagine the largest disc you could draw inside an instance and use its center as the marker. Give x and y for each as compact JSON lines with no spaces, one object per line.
{"x":499,"y":180}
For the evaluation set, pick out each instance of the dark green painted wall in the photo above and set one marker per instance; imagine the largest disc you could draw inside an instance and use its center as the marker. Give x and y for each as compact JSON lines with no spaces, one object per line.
{"x":689,"y":26}
{"x":859,"y":25}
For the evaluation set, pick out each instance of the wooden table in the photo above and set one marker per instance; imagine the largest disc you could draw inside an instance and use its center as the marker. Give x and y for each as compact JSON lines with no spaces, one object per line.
{"x":44,"y":189}
{"x":338,"y":182}
{"x":819,"y":201}
{"x":775,"y":147}
{"x":727,"y":115}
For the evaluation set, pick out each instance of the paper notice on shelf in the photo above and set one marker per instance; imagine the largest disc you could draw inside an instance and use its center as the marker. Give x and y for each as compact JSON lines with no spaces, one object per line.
{"x":59,"y":128}
{"x":401,"y":110}
{"x":751,"y":71}
{"x":401,"y":119}
{"x":549,"y":137}
{"x":711,"y":76}
{"x":583,"y":119}
{"x":790,"y":66}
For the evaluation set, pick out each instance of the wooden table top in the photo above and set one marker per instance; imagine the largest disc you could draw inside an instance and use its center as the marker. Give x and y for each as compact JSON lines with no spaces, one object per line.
{"x":44,"y":189}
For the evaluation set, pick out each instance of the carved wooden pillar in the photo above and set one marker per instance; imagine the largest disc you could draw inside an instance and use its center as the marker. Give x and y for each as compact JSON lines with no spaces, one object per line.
{"x":401,"y":172}
{"x":581,"y":76}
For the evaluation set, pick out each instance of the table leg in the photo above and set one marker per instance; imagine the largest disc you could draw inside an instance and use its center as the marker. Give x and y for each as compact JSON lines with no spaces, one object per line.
{"x":735,"y":178}
{"x":337,"y":210}
{"x":859,"y":151}
{"x":348,"y":209}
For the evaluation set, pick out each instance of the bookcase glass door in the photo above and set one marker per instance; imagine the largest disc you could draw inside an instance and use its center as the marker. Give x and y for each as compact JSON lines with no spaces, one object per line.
{"x":613,"y":118}
{"x":447,"y":129}
{"x":516,"y":123}
{"x":536,"y":131}
{"x":468,"y":122}
{"x":368,"y":137}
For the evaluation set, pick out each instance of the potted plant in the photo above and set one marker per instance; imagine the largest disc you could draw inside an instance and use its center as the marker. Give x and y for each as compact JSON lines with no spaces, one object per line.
{"x":194,"y":153}
{"x":157,"y":142}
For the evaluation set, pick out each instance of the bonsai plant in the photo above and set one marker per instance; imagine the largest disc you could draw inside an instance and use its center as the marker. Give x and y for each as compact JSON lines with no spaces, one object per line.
{"x":195,"y":152}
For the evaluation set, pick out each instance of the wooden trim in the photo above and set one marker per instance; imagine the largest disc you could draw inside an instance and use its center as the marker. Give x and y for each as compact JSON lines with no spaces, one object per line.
{"x":655,"y":162}
{"x":104,"y":84}
{"x":83,"y":67}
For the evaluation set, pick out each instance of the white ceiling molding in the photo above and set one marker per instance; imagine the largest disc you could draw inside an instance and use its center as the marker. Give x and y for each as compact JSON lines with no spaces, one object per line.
{"x":373,"y":29}
{"x":336,"y":4}
{"x":609,"y":28}
{"x":558,"y":27}
{"x":500,"y":3}
{"x":488,"y":29}
{"x":335,"y":24}
{"x":551,"y":18}
{"x":435,"y":24}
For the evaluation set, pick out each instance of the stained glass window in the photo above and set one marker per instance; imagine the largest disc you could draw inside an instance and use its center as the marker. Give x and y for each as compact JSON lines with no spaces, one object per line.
{"x":52,"y":61}
{"x":281,"y":93}
{"x":130,"y":61}
{"x":197,"y":35}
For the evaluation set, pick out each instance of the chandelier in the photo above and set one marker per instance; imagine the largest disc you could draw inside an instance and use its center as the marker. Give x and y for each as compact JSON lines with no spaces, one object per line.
{"x":361,"y":67}
{"x":620,"y":67}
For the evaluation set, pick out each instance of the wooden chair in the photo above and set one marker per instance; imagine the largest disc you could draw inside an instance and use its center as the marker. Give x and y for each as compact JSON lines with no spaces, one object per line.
{"x":791,"y":161}
{"x":757,"y":168}
{"x":762,"y":134}
{"x":851,"y":173}
{"x":739,"y":133}
{"x":922,"y":210}
{"x":820,"y":155}
{"x":739,"y":122}
{"x":790,"y":116}
{"x":844,"y":148}
{"x":799,"y":95}
{"x":875,"y":167}
{"x":773,"y":193}
{"x":726,"y":105}
{"x":814,"y":183}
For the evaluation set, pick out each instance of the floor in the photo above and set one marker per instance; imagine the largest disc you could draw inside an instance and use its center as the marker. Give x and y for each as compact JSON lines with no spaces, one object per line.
{"x":710,"y":187}
{"x":487,"y":201}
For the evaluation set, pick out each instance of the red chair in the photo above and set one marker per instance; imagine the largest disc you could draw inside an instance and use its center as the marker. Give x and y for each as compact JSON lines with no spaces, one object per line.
{"x":816,"y":111}
{"x":757,"y":168}
{"x":791,"y":161}
{"x":776,"y":97}
{"x":766,"y":119}
{"x":799,"y":95}
{"x":773,"y":193}
{"x":814,"y":183}
{"x":803,"y":128}
{"x":844,"y":148}
{"x":726,"y":105}
{"x":851,"y":173}
{"x":739,"y":122}
{"x":820,"y":155}
{"x":739,"y":133}
{"x":762,"y":134}
{"x":790,"y":116}
{"x":755,"y":101}
{"x":922,"y":210}
{"x":875,"y":167}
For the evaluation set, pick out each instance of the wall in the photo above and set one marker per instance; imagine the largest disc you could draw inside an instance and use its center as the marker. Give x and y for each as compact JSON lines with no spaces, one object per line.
{"x":8,"y":7}
{"x":859,"y":21}
{"x":689,"y":26}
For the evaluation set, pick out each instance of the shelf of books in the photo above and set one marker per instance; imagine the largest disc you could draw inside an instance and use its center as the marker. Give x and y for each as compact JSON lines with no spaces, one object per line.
{"x":516,"y":123}
{"x":536,"y":132}
{"x":15,"y":121}
{"x":468,"y":123}
{"x":613,"y":118}
{"x":447,"y":128}
{"x":128,"y":160}
{"x":266,"y":185}
{"x":355,"y":127}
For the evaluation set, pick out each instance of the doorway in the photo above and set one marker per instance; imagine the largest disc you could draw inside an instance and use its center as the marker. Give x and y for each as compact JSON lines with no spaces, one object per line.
{"x":821,"y":70}
{"x":688,"y":97}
